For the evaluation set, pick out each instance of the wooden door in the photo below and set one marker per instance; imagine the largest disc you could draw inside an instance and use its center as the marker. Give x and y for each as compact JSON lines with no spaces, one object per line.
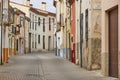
{"x":113,"y":43}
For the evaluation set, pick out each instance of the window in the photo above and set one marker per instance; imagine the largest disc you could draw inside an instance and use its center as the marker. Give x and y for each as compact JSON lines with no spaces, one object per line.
{"x":49,"y":24}
{"x":43,"y":24}
{"x":53,"y":23}
{"x":32,"y":40}
{"x":30,"y":20}
{"x":81,"y":27}
{"x":72,"y":39}
{"x":39,"y":21}
{"x":43,"y":42}
{"x":35,"y":41}
{"x":35,"y":22}
{"x":17,"y":44}
{"x":13,"y":29}
{"x":60,"y":18}
{"x":38,"y":39}
{"x":21,"y":21}
{"x":71,"y":13}
{"x":86,"y":26}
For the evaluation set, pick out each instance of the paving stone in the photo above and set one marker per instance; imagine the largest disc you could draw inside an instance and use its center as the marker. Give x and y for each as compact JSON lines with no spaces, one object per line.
{"x":45,"y":66}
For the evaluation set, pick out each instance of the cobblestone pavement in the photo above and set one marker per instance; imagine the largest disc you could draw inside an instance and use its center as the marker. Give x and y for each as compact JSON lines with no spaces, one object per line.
{"x":45,"y":66}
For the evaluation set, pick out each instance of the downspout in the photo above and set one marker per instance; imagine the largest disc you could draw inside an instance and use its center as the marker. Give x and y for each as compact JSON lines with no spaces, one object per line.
{"x":80,"y":37}
{"x":24,"y":35}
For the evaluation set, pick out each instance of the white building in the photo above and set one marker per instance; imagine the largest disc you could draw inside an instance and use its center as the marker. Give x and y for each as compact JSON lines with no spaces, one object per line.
{"x":61,"y":27}
{"x":41,"y":29}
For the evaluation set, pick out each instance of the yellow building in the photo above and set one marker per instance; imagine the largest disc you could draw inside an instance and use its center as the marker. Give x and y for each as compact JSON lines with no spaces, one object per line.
{"x":19,"y":23}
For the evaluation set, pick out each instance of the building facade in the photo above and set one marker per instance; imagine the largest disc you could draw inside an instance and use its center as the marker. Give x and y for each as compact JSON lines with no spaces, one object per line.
{"x":11,"y":34}
{"x":41,"y":28}
{"x":6,"y":21}
{"x":13,"y":31}
{"x":73,"y":30}
{"x":61,"y":27}
{"x":27,"y":24}
{"x":110,"y":38}
{"x":90,"y":34}
{"x":19,"y":24}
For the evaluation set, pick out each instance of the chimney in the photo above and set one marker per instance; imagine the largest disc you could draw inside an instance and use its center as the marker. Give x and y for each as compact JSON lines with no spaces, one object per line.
{"x":26,"y":2}
{"x":31,"y":5}
{"x":44,"y":6}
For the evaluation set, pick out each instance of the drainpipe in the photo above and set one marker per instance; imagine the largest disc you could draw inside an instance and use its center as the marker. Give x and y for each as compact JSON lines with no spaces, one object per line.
{"x":24,"y":35}
{"x":80,"y":38}
{"x":56,"y":46}
{"x":1,"y":29}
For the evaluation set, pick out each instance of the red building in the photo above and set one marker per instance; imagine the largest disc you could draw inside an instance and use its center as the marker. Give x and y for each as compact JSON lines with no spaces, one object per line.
{"x":73,"y":30}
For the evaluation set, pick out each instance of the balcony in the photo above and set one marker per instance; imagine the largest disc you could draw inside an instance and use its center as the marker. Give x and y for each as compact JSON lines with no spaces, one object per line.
{"x":70,"y":1}
{"x":8,"y":16}
{"x":18,"y":25}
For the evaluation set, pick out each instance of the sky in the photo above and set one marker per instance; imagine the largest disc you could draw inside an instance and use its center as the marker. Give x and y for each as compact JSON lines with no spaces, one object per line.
{"x":37,"y":4}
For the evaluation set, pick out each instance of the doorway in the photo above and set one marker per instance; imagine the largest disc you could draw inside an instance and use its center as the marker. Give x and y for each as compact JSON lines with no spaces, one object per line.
{"x":49,"y":41}
{"x":29,"y":42}
{"x":113,"y":42}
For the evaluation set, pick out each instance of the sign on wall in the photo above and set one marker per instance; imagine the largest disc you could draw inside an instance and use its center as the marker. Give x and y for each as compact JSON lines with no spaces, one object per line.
{"x":97,"y":6}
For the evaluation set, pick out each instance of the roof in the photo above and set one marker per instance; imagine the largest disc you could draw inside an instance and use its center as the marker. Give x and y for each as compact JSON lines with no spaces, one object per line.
{"x":36,"y":10}
{"x":19,"y":4}
{"x":18,"y":11}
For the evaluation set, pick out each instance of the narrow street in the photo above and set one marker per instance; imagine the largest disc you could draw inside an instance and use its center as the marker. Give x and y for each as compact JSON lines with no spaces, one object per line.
{"x":45,"y":66}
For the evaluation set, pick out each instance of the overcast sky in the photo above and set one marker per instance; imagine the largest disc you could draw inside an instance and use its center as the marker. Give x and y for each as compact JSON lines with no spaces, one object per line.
{"x":37,"y":4}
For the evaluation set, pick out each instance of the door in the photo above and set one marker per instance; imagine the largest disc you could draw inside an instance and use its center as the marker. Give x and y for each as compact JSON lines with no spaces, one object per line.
{"x":81,"y":38}
{"x":43,"y":42}
{"x":17,"y":45}
{"x":113,"y":43}
{"x":73,"y":54}
{"x":30,"y":42}
{"x":22,"y":46}
{"x":49,"y":40}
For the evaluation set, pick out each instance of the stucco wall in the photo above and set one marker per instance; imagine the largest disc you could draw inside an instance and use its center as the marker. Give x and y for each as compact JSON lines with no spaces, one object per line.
{"x":107,"y":5}
{"x":92,"y":52}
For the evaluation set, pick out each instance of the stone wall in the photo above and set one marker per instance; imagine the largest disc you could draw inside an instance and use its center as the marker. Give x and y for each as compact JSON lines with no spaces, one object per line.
{"x":96,"y":53}
{"x":91,"y":57}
